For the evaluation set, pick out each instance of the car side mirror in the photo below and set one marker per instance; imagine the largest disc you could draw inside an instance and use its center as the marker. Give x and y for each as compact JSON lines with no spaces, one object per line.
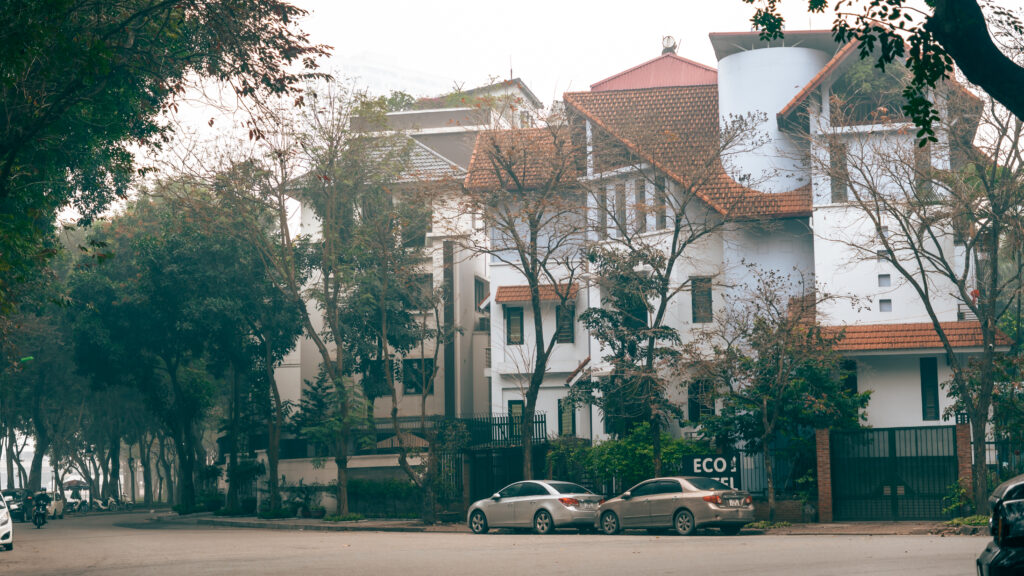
{"x":496,"y":497}
{"x":1009,"y":527}
{"x":626,"y":495}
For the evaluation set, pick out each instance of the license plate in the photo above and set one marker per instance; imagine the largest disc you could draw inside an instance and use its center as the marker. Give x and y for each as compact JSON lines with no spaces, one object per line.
{"x":734,"y":502}
{"x":589,"y":506}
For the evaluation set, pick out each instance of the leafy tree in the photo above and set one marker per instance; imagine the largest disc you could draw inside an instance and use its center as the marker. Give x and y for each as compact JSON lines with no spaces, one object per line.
{"x":776,"y":372}
{"x":635,"y":389}
{"x":972,"y":34}
{"x":84,"y":82}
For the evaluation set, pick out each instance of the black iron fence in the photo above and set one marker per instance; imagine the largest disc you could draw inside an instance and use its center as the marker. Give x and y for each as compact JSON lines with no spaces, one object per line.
{"x":1004,"y":459}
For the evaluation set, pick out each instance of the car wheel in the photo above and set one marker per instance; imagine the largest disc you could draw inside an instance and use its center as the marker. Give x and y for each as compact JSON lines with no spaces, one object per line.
{"x":478,"y":522}
{"x":543,"y":523}
{"x":610,"y":523}
{"x":730,"y":530}
{"x":683,"y":523}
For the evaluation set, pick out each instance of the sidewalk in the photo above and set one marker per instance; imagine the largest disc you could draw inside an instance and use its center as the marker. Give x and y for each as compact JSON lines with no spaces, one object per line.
{"x":393,"y":525}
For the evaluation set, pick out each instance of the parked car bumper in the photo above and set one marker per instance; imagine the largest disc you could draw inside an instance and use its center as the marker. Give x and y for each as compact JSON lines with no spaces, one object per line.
{"x":999,"y":561}
{"x":724,"y":516}
{"x":574,"y":518}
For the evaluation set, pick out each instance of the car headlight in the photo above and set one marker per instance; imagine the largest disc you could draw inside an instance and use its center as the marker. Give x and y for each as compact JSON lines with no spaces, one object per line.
{"x":4,"y":517}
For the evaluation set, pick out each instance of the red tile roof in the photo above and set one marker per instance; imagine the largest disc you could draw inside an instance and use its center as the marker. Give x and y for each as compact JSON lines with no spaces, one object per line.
{"x":915,"y":336}
{"x":521,"y":159}
{"x":522,"y":293}
{"x":665,"y":70}
{"x":676,"y":129}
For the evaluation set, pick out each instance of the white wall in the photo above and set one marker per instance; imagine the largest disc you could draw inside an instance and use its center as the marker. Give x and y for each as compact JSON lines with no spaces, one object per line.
{"x":895,"y":385}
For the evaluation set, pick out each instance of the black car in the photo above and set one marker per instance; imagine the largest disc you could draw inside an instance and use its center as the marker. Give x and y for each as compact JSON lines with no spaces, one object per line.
{"x":19,"y":501}
{"x":1005,"y":553}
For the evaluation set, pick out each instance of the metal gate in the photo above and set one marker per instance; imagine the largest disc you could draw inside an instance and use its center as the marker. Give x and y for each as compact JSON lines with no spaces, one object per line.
{"x":892,"y":473}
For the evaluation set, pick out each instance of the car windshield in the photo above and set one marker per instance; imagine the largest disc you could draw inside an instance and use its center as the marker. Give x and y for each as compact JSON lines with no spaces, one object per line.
{"x":706,"y":484}
{"x":568,"y":488}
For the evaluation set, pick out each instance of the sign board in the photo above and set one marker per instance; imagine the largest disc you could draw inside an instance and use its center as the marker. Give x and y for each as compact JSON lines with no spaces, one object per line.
{"x":722,"y":467}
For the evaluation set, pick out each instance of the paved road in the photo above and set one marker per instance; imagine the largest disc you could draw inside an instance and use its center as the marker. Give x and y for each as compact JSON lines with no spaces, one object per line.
{"x":128,"y":544}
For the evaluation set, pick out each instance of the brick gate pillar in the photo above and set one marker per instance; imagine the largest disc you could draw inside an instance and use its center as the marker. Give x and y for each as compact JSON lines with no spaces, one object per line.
{"x":964,"y":458}
{"x":824,"y":458}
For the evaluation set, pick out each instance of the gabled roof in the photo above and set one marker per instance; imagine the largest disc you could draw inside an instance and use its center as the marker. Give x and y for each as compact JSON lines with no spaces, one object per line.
{"x":676,"y":130}
{"x":522,"y":293}
{"x":665,"y":70}
{"x":424,"y":164}
{"x":913,"y":336}
{"x":521,"y":158}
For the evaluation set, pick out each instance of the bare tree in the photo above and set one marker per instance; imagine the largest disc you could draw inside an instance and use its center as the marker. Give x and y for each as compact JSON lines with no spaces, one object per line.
{"x":945,"y":217}
{"x":660,"y":195}
{"x":524,"y":182}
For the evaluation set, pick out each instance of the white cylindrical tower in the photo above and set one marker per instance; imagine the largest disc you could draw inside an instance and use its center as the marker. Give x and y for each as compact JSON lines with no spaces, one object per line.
{"x":764,"y":80}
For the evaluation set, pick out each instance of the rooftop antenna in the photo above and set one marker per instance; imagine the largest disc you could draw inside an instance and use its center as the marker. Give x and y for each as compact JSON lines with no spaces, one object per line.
{"x":668,"y":45}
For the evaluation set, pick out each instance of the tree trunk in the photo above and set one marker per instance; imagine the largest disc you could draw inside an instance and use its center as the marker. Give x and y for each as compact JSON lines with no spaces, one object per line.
{"x":115,"y":467}
{"x":342,"y":479}
{"x":232,"y":502}
{"x":273,"y":431}
{"x":35,"y":476}
{"x":146,"y":453}
{"x":131,"y":471}
{"x":979,"y":469}
{"x":10,"y":457}
{"x":656,"y":444}
{"x":769,"y":469}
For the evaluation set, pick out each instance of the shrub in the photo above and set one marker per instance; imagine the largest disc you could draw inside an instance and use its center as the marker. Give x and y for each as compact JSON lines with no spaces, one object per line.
{"x":284,"y":512}
{"x":350,"y":517}
{"x":976,"y":520}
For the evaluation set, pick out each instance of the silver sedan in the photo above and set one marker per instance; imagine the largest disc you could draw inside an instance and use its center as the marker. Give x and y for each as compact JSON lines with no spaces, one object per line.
{"x":542,"y":505}
{"x":682,"y":503}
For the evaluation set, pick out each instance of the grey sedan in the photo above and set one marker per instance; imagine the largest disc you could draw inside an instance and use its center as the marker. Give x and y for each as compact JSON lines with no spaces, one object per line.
{"x":542,"y":505}
{"x":680,"y":503}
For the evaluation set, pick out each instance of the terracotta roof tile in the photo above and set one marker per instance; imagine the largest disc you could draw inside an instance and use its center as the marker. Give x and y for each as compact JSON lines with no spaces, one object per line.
{"x":522,"y":293}
{"x":864,"y":337}
{"x":676,"y":129}
{"x":538,"y":157}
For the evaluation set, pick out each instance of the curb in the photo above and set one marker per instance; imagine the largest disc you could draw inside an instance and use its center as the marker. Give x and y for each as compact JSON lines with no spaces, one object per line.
{"x":321,"y":527}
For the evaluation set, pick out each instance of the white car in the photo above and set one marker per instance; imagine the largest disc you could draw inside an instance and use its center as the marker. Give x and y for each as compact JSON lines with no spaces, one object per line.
{"x":543,"y":505}
{"x":6,"y":526}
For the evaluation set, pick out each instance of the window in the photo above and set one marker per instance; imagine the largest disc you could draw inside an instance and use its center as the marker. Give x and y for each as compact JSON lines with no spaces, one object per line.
{"x":839,"y":174}
{"x":667,"y":487}
{"x":640,"y":200}
{"x":423,"y":290}
{"x":885,"y":305}
{"x":660,"y":215}
{"x":929,"y":389}
{"x":532,"y":489}
{"x":480,"y":289}
{"x":515,"y":418}
{"x":644,"y":489}
{"x":849,"y":375}
{"x":566,"y":418}
{"x":700,"y":289}
{"x":513,"y":325}
{"x":884,"y":280}
{"x":565,"y":324}
{"x":620,"y":206}
{"x":883,"y":231}
{"x":511,"y":491}
{"x":416,"y":372}
{"x":698,"y":400}
{"x":882,"y":254}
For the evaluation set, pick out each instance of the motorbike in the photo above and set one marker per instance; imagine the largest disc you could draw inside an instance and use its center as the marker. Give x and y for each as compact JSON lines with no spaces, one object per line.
{"x":39,"y":513}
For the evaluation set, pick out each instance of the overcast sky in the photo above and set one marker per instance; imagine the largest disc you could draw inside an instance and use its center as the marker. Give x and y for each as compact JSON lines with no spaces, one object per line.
{"x":427,"y":47}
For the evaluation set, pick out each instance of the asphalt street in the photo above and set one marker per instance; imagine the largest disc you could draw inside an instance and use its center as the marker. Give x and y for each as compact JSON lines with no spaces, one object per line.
{"x":131,"y":544}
